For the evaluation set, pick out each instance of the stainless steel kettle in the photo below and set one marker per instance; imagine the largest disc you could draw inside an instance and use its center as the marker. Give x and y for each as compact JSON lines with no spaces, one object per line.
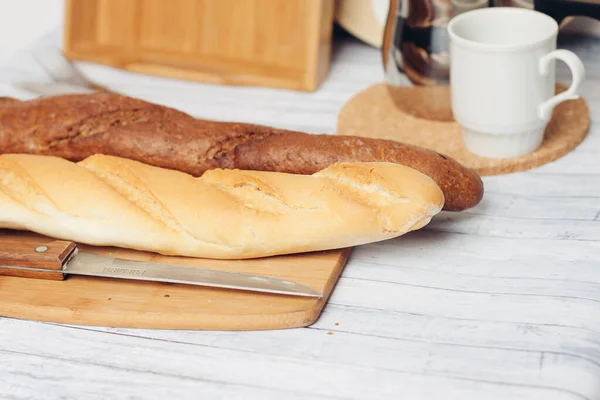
{"x":415,"y":52}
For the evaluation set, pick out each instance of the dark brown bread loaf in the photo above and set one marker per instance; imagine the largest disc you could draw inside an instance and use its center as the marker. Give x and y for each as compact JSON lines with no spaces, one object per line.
{"x":77,"y":126}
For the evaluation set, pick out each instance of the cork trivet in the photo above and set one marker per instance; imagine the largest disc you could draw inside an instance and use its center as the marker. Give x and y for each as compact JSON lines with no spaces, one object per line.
{"x":372,"y":113}
{"x":423,"y":102}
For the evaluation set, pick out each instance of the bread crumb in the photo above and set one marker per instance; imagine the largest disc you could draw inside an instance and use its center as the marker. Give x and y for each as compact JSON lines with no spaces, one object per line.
{"x":337,"y":324}
{"x":330,"y":333}
{"x":166,"y":295}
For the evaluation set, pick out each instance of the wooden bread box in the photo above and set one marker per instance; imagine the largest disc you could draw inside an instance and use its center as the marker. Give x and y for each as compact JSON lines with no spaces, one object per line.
{"x":272,"y":43}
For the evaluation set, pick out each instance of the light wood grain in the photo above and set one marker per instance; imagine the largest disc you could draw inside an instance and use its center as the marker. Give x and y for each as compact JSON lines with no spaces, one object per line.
{"x":381,"y":367}
{"x":284,"y":44}
{"x":121,"y":303}
{"x":460,"y":311}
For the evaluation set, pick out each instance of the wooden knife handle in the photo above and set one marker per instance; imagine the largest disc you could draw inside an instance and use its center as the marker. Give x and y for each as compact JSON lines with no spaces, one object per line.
{"x":34,"y":257}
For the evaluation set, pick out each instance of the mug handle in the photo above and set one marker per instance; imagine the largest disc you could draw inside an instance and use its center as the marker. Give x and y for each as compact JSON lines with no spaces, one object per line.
{"x":572,"y":93}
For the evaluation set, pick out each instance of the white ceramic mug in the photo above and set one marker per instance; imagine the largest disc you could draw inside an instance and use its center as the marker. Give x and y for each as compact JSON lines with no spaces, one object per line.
{"x":502,"y":78}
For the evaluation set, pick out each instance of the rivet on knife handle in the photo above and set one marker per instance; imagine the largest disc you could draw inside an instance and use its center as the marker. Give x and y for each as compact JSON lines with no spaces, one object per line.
{"x":31,"y":257}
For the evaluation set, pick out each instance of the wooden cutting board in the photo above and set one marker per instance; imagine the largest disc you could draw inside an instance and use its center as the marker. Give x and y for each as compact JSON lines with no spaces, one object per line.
{"x":83,"y":300}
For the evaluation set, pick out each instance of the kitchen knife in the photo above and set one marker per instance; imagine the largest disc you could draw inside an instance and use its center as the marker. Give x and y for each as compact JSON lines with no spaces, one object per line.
{"x":30,"y":257}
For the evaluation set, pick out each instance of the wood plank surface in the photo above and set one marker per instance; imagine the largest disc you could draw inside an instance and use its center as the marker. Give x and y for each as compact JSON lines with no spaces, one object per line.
{"x":495,"y":304}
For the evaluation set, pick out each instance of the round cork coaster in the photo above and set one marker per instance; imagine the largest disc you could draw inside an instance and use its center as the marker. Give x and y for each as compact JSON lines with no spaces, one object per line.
{"x":372,"y":113}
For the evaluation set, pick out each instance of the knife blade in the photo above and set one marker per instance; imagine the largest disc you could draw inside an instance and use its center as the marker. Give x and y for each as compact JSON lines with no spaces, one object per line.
{"x":56,"y":259}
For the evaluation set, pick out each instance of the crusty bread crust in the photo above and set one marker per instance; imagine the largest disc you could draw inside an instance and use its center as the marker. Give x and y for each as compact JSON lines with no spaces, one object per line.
{"x":75,"y":127}
{"x":228,"y":214}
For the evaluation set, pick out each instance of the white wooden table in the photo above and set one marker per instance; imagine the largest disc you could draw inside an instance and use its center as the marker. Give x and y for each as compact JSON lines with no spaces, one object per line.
{"x":499,"y":302}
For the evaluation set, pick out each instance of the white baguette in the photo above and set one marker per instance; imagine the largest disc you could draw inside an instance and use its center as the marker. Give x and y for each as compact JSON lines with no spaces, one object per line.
{"x":228,"y":214}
